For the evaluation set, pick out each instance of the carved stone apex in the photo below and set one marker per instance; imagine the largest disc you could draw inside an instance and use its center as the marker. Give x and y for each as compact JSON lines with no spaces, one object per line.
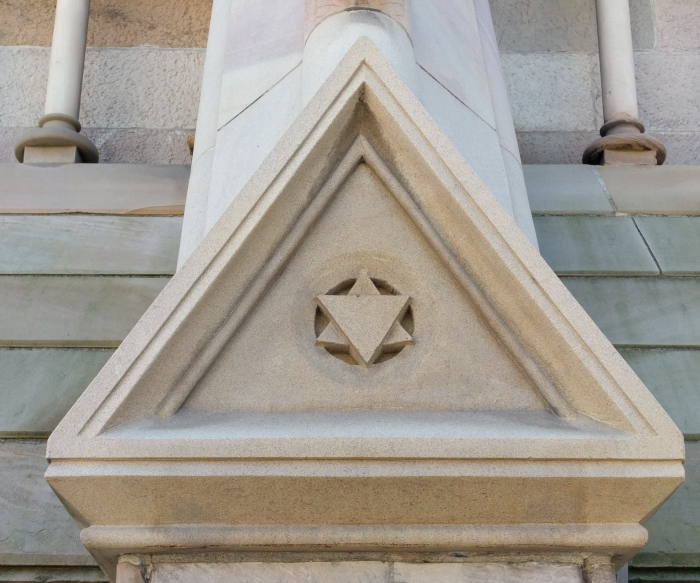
{"x":57,"y":130}
{"x":623,"y":141}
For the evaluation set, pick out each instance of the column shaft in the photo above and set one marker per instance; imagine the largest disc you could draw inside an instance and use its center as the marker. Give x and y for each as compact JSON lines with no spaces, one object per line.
{"x":67,"y":58}
{"x":616,"y":59}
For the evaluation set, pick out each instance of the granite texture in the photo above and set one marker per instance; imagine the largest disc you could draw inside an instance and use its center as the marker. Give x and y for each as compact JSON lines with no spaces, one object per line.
{"x":551,"y":25}
{"x":113,"y":23}
{"x":677,"y":24}
{"x":550,"y":91}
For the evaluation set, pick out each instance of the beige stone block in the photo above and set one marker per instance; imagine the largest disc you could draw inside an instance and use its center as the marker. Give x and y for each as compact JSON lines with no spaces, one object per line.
{"x":141,"y":87}
{"x":552,"y":25}
{"x":491,"y":572}
{"x":93,"y":188}
{"x":113,"y":23}
{"x":24,"y":72}
{"x":668,"y":87}
{"x":665,"y":190}
{"x":51,"y":155}
{"x":677,"y":24}
{"x":550,"y":91}
{"x":141,"y":146}
{"x":309,"y":572}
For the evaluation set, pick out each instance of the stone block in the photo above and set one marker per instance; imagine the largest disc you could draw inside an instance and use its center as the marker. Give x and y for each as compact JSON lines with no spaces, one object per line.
{"x":140,"y":146}
{"x":35,"y":528}
{"x":593,"y":245}
{"x":491,"y":572}
{"x":141,"y":88}
{"x":551,"y":25}
{"x":667,"y":86}
{"x":681,"y":147}
{"x":672,"y":377}
{"x":554,"y":147}
{"x":674,"y":531}
{"x":73,"y":310}
{"x":565,"y":189}
{"x":51,"y":155}
{"x":674,"y":241}
{"x":24,"y":72}
{"x":75,"y":244}
{"x":310,"y":572}
{"x":550,"y":91}
{"x":129,"y":88}
{"x":113,"y":23}
{"x":39,"y":385}
{"x":642,"y":311}
{"x":668,"y":190}
{"x":93,"y":188}
{"x":677,"y":24}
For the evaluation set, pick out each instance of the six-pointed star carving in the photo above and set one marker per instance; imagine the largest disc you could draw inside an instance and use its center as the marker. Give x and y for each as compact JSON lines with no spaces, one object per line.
{"x":364,"y":322}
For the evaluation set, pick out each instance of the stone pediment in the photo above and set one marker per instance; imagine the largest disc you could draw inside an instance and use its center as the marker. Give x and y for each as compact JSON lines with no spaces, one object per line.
{"x":365,"y":300}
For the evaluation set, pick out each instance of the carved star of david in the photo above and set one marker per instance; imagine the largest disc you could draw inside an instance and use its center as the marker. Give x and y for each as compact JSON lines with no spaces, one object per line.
{"x":364,"y":322}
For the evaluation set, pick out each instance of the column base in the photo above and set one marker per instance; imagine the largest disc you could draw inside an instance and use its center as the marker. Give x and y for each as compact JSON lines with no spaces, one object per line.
{"x":623,"y":142}
{"x":51,"y":155}
{"x":53,"y":140}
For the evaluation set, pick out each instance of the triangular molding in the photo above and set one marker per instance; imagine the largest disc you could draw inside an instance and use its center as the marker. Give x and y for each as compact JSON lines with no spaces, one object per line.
{"x":597,"y":414}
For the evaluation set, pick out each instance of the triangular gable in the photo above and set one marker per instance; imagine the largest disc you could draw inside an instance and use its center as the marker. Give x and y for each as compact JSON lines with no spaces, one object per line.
{"x":365,"y":114}
{"x":161,"y":455}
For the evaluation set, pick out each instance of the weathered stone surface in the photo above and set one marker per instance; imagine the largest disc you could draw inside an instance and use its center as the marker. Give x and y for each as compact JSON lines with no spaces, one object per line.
{"x":664,"y":190}
{"x":674,"y":534}
{"x":130,"y":88}
{"x":39,"y":385}
{"x":141,"y":88}
{"x":140,"y":146}
{"x":310,"y":572}
{"x":667,"y":86}
{"x":550,"y":91}
{"x":89,"y":245}
{"x":93,"y":188}
{"x":554,"y":147}
{"x":677,"y":24}
{"x":674,"y":241}
{"x":119,"y":146}
{"x":24,"y":71}
{"x":551,"y":25}
{"x":672,"y":377}
{"x":479,"y":573}
{"x":590,"y":245}
{"x":113,"y":23}
{"x":73,"y":310}
{"x":35,"y":527}
{"x":565,"y":189}
{"x":642,"y":311}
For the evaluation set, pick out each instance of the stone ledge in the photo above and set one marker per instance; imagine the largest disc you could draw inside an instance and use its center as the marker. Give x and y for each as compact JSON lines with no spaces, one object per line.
{"x":134,"y":189}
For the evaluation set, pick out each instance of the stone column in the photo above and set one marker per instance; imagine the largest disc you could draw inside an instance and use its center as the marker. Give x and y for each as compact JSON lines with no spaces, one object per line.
{"x":57,"y":140}
{"x":622,"y":135}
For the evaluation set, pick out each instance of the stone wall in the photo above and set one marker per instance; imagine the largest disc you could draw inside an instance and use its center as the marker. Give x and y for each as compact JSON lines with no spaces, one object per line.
{"x":549,"y":51}
{"x":143,"y":71}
